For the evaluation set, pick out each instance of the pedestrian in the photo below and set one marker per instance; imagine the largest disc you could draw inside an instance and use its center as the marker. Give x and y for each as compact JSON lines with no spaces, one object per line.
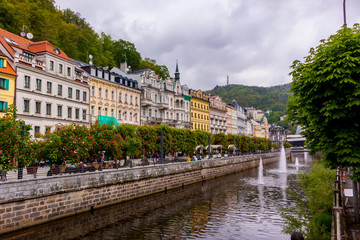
{"x":297,"y":236}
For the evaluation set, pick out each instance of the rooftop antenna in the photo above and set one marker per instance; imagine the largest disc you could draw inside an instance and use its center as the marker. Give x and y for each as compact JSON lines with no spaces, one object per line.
{"x":29,"y":35}
{"x":227,"y":82}
{"x":344,"y":10}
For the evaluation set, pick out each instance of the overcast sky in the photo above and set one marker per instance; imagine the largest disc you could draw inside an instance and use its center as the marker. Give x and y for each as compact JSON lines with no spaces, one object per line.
{"x":252,"y":41}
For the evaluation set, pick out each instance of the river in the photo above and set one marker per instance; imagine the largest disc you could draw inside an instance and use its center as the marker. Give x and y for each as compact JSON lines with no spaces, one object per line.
{"x":229,"y":207}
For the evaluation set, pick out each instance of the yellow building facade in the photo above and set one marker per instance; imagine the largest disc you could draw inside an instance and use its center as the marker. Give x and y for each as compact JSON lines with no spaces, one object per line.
{"x":7,"y":84}
{"x":199,"y":110}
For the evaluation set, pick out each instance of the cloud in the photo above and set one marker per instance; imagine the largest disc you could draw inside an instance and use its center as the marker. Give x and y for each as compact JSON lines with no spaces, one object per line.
{"x":254,"y":42}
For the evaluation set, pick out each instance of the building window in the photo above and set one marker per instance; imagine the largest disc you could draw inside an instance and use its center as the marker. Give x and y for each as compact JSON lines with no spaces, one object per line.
{"x":60,"y":90}
{"x":112,"y":95}
{"x":119,"y":117}
{"x":77,"y":94}
{"x":125,"y":98}
{"x":84,"y":114}
{"x":106,"y":111}
{"x":69,"y":71}
{"x":100,"y":90}
{"x":60,"y":68}
{"x":59,"y":110}
{"x":119,"y":96}
{"x":112,"y":112}
{"x":48,"y":87}
{"x":37,"y":131}
{"x":93,"y":91}
{"x":77,"y":113}
{"x":136,"y":101}
{"x":2,"y":63}
{"x":70,"y":92}
{"x":99,"y":111}
{"x":92,"y":110}
{"x":27,"y":82}
{"x":135,"y":117}
{"x":47,"y":129}
{"x":3,"y":106}
{"x":51,"y":65}
{"x":131,"y":98}
{"x":125,"y":116}
{"x":48,"y":109}
{"x":106,"y":94}
{"x":4,"y":83}
{"x":131,"y":117}
{"x":69,"y":112}
{"x":26,"y":105}
{"x":37,"y":107}
{"x":149,"y":112}
{"x":84,"y":96}
{"x":38,"y":84}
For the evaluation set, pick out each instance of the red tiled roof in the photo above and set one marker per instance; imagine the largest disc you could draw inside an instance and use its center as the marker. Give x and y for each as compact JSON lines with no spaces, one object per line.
{"x":8,"y":70}
{"x":25,"y":44}
{"x":45,"y":46}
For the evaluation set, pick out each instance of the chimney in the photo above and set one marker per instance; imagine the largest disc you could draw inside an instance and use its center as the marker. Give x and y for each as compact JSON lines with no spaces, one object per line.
{"x":123,"y":67}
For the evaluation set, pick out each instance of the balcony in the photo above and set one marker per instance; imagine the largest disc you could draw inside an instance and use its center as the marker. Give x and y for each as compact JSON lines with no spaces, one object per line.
{"x":147,"y":102}
{"x":163,"y":105}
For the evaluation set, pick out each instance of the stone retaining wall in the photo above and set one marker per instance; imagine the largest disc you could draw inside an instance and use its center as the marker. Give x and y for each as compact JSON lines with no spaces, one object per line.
{"x":34,"y":201}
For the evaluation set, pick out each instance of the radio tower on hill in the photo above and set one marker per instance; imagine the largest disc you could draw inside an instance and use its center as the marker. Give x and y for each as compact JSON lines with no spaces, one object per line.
{"x":227,"y":82}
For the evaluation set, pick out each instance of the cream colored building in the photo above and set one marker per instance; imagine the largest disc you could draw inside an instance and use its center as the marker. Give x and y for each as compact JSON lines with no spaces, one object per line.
{"x":217,"y":115}
{"x":112,"y":95}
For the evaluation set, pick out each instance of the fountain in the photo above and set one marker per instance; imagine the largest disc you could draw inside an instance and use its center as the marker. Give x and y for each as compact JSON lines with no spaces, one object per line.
{"x":261,"y":174}
{"x":297,"y":161}
{"x":282,"y":167}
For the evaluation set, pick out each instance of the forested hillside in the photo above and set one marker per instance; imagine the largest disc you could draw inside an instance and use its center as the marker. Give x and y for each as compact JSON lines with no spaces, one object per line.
{"x":70,"y":32}
{"x":265,"y":98}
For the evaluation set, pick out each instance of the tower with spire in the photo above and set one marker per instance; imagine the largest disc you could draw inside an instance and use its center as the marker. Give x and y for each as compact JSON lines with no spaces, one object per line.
{"x":177,"y":73}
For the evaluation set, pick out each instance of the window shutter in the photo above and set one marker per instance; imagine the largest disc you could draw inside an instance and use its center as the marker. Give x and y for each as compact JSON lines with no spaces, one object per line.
{"x":6,"y":84}
{"x":6,"y":106}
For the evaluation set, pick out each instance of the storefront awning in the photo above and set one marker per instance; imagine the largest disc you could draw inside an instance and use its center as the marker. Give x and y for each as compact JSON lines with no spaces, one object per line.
{"x":107,"y":120}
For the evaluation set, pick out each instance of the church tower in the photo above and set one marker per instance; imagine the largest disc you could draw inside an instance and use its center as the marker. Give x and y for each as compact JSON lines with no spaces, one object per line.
{"x":177,"y":73}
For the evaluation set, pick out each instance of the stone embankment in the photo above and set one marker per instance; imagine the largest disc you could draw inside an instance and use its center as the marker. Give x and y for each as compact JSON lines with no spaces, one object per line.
{"x":33,"y":201}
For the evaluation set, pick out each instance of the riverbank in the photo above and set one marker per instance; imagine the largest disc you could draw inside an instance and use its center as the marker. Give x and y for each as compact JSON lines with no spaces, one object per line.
{"x":34,"y":201}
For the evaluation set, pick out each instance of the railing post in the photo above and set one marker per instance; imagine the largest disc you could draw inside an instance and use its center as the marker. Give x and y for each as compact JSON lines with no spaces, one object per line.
{"x":162,"y":147}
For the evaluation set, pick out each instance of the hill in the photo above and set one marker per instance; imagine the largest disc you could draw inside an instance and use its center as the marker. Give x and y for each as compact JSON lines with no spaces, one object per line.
{"x":72,"y":34}
{"x":264,"y":98}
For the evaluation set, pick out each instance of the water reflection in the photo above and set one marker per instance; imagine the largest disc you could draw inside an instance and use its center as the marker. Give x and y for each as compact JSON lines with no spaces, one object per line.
{"x":230,"y":207}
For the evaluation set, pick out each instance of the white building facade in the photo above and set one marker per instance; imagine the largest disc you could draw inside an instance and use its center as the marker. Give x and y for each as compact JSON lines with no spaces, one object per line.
{"x":218,"y":117}
{"x":49,"y":92}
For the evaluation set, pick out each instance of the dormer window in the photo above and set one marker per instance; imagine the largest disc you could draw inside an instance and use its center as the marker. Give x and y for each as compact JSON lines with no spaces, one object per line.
{"x":27,"y":57}
{"x":10,"y":41}
{"x":57,"y":51}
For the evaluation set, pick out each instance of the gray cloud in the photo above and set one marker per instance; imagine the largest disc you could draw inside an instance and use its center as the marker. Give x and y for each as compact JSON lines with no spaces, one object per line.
{"x":254,"y":42}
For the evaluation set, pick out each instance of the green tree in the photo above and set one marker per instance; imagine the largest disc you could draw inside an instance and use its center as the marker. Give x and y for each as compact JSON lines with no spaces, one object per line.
{"x":313,"y":195}
{"x":325,"y":98}
{"x":15,"y":147}
{"x":126,"y":52}
{"x":160,"y":70}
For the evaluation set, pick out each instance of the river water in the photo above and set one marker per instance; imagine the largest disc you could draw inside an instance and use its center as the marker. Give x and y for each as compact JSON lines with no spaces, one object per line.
{"x":229,"y":207}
